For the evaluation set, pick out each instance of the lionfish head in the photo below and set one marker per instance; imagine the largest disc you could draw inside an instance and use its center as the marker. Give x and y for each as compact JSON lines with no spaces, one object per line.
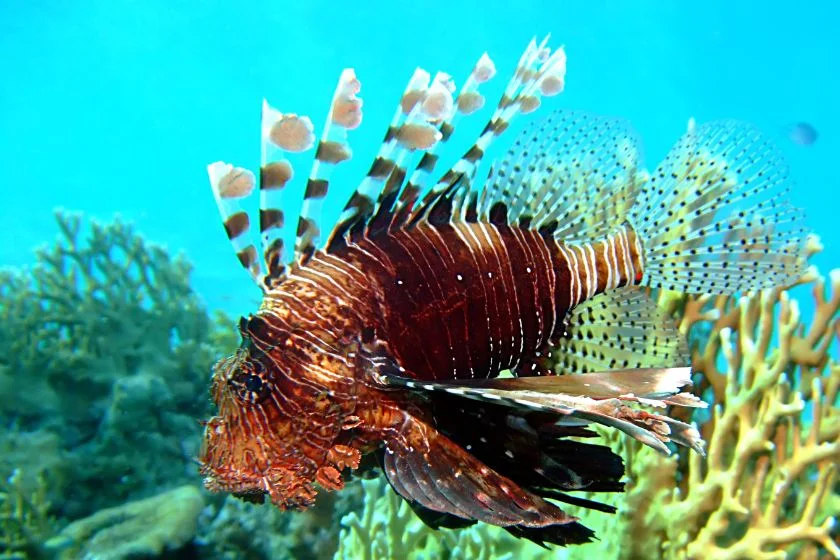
{"x":270,"y":436}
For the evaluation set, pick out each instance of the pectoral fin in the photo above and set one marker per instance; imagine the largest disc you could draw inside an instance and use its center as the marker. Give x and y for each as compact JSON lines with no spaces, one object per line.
{"x":602,"y":398}
{"x":430,"y":470}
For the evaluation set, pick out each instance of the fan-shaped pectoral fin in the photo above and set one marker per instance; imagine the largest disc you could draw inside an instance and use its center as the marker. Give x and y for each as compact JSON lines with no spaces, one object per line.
{"x":427,"y":468}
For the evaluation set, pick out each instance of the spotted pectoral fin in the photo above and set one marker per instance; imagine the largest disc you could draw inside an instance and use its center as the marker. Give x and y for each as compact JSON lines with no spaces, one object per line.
{"x":428,"y":469}
{"x":619,"y":329}
{"x":608,"y":398}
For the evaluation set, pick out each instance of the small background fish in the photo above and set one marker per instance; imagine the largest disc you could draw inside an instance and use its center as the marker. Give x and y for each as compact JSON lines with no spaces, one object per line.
{"x":803,"y":133}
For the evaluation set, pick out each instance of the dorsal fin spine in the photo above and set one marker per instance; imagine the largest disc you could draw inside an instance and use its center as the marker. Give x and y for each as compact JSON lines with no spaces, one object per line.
{"x":523,"y":85}
{"x":275,"y":173}
{"x":467,"y":101}
{"x":333,"y":148}
{"x":414,"y":117}
{"x":231,"y":184}
{"x":362,"y":199}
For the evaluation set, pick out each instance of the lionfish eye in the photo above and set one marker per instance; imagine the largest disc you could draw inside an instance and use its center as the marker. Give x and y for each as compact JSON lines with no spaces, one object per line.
{"x":253,"y":383}
{"x":249,"y":386}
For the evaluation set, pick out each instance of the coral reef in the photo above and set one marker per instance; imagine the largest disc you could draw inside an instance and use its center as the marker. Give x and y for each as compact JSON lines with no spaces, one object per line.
{"x":238,"y":529}
{"x":105,"y":352}
{"x":104,"y":359}
{"x":141,"y":529}
{"x":388,"y":528}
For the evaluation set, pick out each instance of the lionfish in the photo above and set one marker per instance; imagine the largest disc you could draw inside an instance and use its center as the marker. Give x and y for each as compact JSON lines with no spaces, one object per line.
{"x":443,"y":325}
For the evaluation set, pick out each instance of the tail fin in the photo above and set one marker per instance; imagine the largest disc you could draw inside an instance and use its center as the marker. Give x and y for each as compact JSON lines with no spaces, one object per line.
{"x":714,"y":217}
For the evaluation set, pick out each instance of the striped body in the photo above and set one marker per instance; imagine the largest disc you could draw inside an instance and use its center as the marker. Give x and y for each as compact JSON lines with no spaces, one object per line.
{"x":468,"y":300}
{"x":455,"y":301}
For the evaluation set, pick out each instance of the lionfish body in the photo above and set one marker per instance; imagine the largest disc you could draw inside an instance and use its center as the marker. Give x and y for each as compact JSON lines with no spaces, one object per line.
{"x":390,"y":340}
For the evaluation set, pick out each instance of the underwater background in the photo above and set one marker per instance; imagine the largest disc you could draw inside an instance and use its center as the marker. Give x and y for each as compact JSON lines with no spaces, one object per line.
{"x":114,"y":109}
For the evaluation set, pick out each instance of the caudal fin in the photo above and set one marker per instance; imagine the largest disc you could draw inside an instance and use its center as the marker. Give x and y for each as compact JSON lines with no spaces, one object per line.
{"x":714,"y":216}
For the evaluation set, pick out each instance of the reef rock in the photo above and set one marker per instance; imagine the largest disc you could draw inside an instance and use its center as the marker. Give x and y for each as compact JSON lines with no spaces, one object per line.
{"x":142,"y":529}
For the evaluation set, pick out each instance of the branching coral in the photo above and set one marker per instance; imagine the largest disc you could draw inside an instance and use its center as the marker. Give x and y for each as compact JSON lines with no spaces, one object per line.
{"x":24,"y":518}
{"x":772,"y":459}
{"x":105,"y":344}
{"x":388,"y":528}
{"x":239,"y":529}
{"x":94,"y":307}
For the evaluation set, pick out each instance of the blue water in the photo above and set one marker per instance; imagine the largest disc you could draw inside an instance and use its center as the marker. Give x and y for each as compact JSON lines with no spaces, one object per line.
{"x":117,"y":107}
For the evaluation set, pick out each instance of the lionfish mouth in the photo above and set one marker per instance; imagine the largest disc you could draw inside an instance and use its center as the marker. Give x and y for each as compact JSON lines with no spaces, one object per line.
{"x":297,"y":495}
{"x":215,"y":483}
{"x":233,"y":466}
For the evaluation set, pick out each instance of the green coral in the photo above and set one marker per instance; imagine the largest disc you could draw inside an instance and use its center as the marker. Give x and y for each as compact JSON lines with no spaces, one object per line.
{"x":104,"y":344}
{"x":239,"y":529}
{"x":387,"y":528}
{"x":25,"y":521}
{"x":95,"y":306}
